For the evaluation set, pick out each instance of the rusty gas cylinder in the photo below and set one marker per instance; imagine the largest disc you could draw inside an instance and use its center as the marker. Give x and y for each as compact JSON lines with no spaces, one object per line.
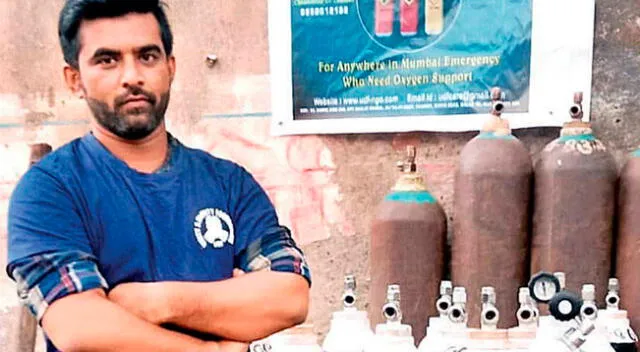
{"x":628,"y":248}
{"x":491,"y":202}
{"x":408,"y":240}
{"x":26,"y":324}
{"x":575,"y":185}
{"x":38,"y":151}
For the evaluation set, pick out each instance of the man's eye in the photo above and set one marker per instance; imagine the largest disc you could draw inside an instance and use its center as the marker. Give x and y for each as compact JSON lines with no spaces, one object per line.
{"x":149,"y":57}
{"x":106,"y":60}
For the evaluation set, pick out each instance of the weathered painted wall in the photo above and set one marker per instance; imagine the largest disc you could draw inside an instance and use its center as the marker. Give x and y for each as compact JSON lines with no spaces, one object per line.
{"x":324,"y":187}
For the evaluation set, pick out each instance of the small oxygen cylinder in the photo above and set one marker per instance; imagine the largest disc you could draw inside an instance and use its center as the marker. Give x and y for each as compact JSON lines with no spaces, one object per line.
{"x":453,"y":334}
{"x":614,"y":322}
{"x":409,"y":17}
{"x":434,"y":17}
{"x":392,"y":336}
{"x":521,"y":336}
{"x":350,"y":331}
{"x":488,"y":337}
{"x":384,"y":17}
{"x":589,"y":311}
{"x":300,"y":338}
{"x":439,"y":324}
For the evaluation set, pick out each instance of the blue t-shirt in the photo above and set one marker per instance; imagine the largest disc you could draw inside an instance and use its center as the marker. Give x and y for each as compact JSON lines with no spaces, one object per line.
{"x":81,"y":210}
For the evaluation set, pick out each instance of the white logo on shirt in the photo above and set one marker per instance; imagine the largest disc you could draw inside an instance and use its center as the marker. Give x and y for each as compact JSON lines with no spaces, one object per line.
{"x":213,"y":226}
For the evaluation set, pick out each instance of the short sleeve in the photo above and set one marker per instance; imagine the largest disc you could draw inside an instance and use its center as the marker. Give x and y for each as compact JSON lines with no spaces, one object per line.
{"x":50,"y":255}
{"x":261,"y":242}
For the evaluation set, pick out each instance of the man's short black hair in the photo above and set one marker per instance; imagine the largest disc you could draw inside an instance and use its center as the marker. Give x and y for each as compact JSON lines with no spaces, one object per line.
{"x":74,"y":11}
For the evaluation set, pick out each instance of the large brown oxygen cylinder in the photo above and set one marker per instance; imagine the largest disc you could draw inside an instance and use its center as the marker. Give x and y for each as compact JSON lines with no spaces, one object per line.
{"x":408,"y":241}
{"x":575,"y":185}
{"x":628,"y":249}
{"x":491,"y":203}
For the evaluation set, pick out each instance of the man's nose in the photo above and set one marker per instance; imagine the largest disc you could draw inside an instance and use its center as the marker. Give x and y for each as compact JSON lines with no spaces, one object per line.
{"x":132,"y":75}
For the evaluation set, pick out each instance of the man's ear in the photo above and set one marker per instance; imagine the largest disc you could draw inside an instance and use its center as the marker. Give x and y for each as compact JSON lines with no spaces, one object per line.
{"x":171,"y":61}
{"x":73,"y":80}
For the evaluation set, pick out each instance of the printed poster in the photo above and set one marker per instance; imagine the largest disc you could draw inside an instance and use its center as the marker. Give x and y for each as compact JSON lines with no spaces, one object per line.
{"x":343,"y":66}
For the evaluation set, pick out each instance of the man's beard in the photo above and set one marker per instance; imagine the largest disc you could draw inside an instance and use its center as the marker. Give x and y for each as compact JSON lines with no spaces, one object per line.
{"x":127,"y":123}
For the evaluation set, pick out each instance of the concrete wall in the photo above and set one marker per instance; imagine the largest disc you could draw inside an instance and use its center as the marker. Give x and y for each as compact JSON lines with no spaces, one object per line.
{"x":324,"y":187}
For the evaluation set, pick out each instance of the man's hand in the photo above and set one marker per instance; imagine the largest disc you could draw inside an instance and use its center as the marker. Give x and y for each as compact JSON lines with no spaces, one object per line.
{"x":234,"y":310}
{"x":148,"y":301}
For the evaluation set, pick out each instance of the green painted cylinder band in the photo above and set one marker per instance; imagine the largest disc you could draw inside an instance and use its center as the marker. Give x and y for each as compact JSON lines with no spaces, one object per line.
{"x":411,"y":197}
{"x":493,"y":135}
{"x":579,"y":137}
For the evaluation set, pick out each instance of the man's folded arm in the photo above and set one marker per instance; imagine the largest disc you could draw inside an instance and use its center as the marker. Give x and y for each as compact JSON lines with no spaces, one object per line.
{"x":66,"y":292}
{"x":272,"y":296}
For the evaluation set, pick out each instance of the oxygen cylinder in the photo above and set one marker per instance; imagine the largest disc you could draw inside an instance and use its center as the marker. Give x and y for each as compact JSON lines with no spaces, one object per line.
{"x":409,"y":225}
{"x":384,"y":17}
{"x":491,"y":202}
{"x":575,"y":184}
{"x":589,"y":311}
{"x":521,"y":336}
{"x":434,"y":17}
{"x":300,"y":338}
{"x":488,"y":337}
{"x":614,"y":322}
{"x":440,"y":323}
{"x":392,"y":336}
{"x":38,"y":151}
{"x":628,"y":247}
{"x":409,"y":17}
{"x":450,"y":333}
{"x":350,"y":331}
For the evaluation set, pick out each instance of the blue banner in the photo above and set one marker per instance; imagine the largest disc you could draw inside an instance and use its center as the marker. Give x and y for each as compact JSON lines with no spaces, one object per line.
{"x":386,"y":58}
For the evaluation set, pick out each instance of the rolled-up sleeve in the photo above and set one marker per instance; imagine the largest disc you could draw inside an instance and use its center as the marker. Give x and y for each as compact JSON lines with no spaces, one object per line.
{"x":262,"y":243}
{"x":50,"y":255}
{"x":275,"y":251}
{"x":43,"y":279}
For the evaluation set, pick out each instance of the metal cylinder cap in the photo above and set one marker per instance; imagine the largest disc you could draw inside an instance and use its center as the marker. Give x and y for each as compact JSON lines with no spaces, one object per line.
{"x":589,"y":292}
{"x":524,"y":296}
{"x":350,"y":282}
{"x":393,"y":293}
{"x":488,"y":295}
{"x":446,"y":288}
{"x":459,"y":295}
{"x":562,"y":278}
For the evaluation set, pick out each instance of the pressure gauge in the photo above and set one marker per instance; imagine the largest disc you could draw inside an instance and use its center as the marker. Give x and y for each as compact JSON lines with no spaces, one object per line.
{"x":543,"y":286}
{"x":565,"y":306}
